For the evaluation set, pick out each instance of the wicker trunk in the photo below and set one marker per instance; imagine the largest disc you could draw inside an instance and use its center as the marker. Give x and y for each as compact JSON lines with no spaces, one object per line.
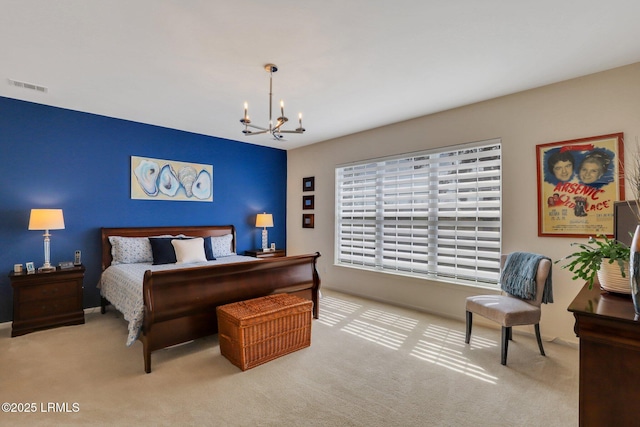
{"x":256,"y":331}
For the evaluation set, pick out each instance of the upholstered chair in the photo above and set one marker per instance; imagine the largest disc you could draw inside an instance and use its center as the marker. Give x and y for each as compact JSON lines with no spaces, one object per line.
{"x":509,"y":310}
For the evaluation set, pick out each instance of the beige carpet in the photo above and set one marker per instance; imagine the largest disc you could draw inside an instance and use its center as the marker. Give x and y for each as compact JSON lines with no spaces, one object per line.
{"x":369,"y":364}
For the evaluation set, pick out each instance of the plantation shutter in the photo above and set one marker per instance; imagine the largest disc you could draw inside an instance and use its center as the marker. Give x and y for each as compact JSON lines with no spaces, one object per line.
{"x":434,"y":214}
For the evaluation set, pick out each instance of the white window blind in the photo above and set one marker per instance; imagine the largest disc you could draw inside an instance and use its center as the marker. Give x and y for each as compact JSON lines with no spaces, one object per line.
{"x":434,"y":214}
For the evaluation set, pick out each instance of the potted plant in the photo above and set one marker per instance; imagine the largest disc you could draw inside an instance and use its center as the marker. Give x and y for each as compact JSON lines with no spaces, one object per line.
{"x":597,"y":258}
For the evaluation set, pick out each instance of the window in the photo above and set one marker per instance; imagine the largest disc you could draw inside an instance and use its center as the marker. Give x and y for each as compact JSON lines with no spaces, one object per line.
{"x":434,"y":214}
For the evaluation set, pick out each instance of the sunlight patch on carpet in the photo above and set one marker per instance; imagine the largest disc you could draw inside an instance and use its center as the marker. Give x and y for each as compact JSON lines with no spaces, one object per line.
{"x":330,"y":318}
{"x":479,"y":342}
{"x":436,"y":348}
{"x":376,"y":334}
{"x":390,"y":319}
{"x":437,"y":344}
{"x":331,"y":303}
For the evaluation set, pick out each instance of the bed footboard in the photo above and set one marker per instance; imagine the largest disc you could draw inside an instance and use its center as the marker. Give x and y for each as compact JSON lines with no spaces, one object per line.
{"x":180,"y":305}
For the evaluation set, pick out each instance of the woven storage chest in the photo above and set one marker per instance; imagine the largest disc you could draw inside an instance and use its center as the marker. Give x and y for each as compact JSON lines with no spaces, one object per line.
{"x":256,"y":331}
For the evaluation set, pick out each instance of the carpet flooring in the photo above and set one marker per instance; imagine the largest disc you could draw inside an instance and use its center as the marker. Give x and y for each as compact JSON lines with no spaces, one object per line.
{"x":369,"y":364}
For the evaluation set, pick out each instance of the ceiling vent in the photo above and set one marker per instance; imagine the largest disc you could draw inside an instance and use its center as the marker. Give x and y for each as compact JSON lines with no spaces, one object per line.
{"x":26,"y":85}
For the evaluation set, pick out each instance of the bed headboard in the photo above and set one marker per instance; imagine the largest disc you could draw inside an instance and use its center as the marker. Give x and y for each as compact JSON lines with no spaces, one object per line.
{"x":189,"y":230}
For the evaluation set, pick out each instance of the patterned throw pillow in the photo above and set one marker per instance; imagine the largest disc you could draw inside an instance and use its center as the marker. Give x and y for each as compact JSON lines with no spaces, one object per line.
{"x":130,"y":250}
{"x":221,"y":246}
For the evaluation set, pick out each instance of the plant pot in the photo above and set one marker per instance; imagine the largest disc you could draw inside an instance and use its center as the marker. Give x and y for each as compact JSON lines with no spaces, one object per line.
{"x":610,"y":277}
{"x":634,"y":270}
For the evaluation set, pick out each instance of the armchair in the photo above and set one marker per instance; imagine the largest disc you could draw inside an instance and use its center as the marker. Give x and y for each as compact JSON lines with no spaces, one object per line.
{"x":509,"y":310}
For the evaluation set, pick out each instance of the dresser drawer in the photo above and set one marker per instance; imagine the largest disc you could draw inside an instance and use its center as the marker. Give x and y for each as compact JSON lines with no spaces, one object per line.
{"x":47,"y":291}
{"x":44,"y":308}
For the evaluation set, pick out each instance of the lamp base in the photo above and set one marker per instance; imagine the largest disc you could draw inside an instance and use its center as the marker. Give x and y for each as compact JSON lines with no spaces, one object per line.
{"x":44,"y":269}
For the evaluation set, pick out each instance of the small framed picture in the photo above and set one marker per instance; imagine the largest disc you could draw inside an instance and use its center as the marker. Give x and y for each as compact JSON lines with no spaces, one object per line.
{"x":307,"y":220}
{"x":30,"y":268}
{"x":307,"y":202}
{"x":308,"y":183}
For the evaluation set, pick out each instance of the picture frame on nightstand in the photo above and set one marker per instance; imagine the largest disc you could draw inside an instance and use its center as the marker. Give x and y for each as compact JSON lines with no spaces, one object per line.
{"x":30,"y":268}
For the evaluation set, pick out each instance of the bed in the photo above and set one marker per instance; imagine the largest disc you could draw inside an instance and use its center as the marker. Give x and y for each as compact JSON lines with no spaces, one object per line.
{"x":170,"y":303}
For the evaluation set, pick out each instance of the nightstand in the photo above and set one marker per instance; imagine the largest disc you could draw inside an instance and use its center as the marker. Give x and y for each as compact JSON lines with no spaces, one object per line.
{"x":46,"y":300}
{"x":259,"y":253}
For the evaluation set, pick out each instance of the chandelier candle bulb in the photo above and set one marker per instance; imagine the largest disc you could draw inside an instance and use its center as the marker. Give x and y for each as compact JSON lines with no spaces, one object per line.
{"x":246,"y":107}
{"x":282,"y":108}
{"x":300,"y":128}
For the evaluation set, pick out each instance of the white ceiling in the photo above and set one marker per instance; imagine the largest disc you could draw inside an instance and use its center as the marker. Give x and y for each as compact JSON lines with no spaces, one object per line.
{"x":348,"y":65}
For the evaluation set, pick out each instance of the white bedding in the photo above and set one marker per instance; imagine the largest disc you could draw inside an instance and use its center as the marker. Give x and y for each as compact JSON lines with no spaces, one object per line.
{"x":122,"y":285}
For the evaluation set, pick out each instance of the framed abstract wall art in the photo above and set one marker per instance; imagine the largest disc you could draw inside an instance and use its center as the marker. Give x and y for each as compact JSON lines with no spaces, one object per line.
{"x":578,"y":182}
{"x":156,"y":179}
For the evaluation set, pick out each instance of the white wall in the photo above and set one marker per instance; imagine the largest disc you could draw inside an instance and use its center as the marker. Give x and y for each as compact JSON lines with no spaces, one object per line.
{"x":594,"y":105}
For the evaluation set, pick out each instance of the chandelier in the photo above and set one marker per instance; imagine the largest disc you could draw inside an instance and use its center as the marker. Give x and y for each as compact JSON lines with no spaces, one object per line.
{"x":274,"y":129}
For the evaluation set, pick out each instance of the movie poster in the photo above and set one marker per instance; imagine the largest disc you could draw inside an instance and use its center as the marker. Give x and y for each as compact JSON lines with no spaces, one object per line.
{"x":578,"y":182}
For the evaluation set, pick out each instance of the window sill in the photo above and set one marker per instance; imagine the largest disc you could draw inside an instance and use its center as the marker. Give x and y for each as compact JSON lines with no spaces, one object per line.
{"x":435,"y":280}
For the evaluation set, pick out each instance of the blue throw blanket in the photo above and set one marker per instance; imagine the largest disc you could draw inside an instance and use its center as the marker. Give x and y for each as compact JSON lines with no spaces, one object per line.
{"x":519,"y":276}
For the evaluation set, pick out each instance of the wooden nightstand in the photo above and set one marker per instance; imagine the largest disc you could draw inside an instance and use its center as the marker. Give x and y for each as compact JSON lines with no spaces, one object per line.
{"x":259,"y":253}
{"x":46,"y":300}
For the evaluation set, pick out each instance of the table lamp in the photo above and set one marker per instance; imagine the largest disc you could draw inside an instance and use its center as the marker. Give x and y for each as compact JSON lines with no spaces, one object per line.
{"x":46,"y":219}
{"x":264,"y":220}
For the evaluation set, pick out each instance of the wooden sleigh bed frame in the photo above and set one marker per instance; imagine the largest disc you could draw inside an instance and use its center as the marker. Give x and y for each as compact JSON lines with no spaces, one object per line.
{"x":180,"y":305}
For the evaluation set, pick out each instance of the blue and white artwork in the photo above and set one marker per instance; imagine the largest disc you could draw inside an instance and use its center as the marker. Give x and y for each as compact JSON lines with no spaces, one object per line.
{"x":156,"y":179}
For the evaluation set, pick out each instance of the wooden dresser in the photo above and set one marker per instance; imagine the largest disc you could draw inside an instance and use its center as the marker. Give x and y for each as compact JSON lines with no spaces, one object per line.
{"x":46,"y":300}
{"x":609,"y":335}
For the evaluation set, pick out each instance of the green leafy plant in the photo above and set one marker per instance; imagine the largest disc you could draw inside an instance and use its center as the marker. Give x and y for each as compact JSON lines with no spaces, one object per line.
{"x":585,"y":262}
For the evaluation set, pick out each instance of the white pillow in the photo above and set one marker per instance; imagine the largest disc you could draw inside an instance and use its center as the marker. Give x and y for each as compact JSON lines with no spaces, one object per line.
{"x":189,"y":250}
{"x":221,"y":246}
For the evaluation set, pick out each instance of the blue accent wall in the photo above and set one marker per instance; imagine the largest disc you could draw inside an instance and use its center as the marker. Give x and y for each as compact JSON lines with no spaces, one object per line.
{"x":79,"y":162}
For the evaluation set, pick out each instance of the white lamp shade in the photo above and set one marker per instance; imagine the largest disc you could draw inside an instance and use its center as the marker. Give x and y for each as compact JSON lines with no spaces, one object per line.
{"x":264,"y":220}
{"x":46,"y":219}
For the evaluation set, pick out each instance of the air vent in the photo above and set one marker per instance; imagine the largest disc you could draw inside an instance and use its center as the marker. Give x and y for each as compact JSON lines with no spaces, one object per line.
{"x":29,"y":86}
